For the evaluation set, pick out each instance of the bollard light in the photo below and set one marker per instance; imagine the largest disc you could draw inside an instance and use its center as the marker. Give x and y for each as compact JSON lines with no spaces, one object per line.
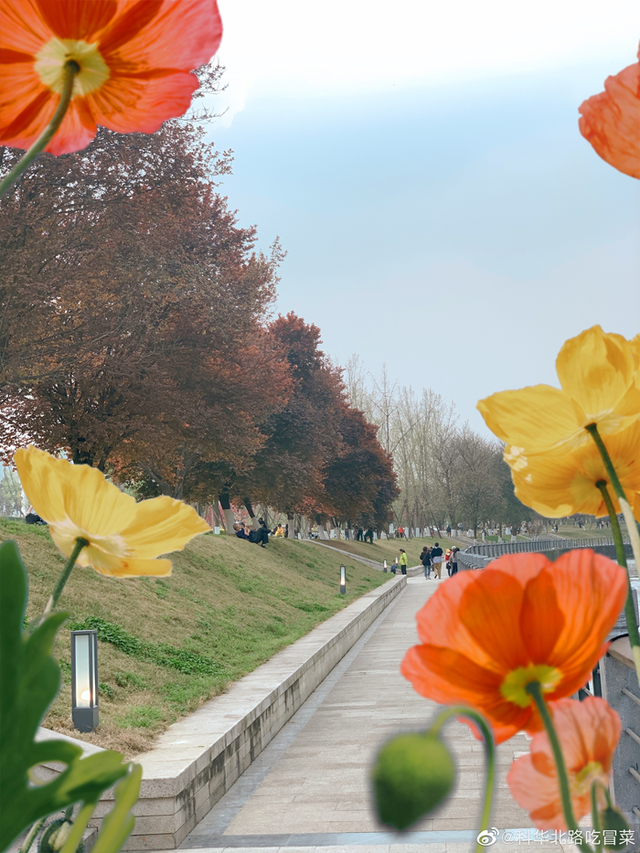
{"x":343,"y":580}
{"x":385,"y":568}
{"x":84,"y":680}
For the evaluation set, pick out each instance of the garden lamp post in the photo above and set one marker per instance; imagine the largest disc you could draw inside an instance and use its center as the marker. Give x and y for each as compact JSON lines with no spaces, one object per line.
{"x":84,"y":680}
{"x":343,"y":580}
{"x":384,"y":566}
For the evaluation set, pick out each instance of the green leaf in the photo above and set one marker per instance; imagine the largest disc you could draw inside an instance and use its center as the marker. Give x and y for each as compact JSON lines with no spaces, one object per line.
{"x":117,"y":825}
{"x":29,"y":682}
{"x":413,"y":774}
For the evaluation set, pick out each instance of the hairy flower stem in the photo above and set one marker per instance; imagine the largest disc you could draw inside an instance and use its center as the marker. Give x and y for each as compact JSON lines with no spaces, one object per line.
{"x":592,"y":429}
{"x":629,"y":609}
{"x":79,"y":826}
{"x":534,"y":689}
{"x":595,"y":815}
{"x":71,"y":68}
{"x":35,"y":829}
{"x":64,"y":577}
{"x":490,"y":754}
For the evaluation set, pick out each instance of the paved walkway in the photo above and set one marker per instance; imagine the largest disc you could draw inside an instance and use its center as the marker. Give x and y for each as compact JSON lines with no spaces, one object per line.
{"x":309,"y":789}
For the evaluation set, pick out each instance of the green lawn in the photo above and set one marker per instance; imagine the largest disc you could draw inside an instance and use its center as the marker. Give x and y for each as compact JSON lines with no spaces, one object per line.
{"x":591,"y":532}
{"x":387,"y":549}
{"x":166,"y":645}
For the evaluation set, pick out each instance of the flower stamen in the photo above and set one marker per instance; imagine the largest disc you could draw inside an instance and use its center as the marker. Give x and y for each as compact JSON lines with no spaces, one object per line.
{"x":50,"y":62}
{"x":514,"y":688}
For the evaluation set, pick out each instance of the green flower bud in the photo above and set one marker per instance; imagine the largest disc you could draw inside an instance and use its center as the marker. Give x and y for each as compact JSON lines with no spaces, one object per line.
{"x":412,"y":775}
{"x":613,"y":819}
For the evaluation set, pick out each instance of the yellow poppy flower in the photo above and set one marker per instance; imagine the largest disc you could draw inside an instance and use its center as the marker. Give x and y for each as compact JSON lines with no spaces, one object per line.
{"x":598,"y":373}
{"x":561,"y":485}
{"x":124,"y":537}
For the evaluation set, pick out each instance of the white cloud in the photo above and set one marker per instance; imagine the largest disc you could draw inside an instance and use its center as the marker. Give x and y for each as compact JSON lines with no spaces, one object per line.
{"x":288,"y":46}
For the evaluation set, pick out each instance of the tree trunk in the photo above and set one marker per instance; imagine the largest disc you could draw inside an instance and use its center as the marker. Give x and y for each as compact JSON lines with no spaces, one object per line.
{"x":217,"y":515}
{"x":290,"y":520}
{"x":227,"y":512}
{"x":252,"y":515}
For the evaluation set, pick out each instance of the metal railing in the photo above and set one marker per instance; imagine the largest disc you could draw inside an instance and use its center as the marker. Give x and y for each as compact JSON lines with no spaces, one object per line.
{"x":478,"y":556}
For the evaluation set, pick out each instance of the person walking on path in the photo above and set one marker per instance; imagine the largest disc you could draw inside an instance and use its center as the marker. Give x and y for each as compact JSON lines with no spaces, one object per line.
{"x":436,"y":559}
{"x":454,"y":560}
{"x":403,"y":561}
{"x":425,"y":559}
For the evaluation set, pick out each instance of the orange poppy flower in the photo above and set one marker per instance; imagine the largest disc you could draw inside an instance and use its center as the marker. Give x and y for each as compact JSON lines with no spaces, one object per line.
{"x":610,"y":121}
{"x":485,"y":635}
{"x":134,"y":59}
{"x":588,"y":733}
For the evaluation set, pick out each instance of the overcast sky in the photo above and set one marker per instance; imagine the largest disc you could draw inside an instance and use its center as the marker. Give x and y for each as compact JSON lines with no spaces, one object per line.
{"x":422,"y":166}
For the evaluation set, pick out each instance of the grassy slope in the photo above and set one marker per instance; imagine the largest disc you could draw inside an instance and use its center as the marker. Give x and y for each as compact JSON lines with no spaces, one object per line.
{"x":387,"y":549}
{"x":571,"y":532}
{"x":228,"y":607}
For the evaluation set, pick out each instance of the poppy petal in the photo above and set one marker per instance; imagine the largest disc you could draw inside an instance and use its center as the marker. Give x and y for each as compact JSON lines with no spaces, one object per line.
{"x":491,"y":614}
{"x":76,"y":131}
{"x":42,"y":485}
{"x":25,"y":105}
{"x":463,"y":678}
{"x":538,"y":418}
{"x":540,"y":607}
{"x":449,"y":677}
{"x":123,"y":567}
{"x":597,"y":371}
{"x":558,"y":486}
{"x":59,"y":491}
{"x":162,"y":525}
{"x":537,"y":793}
{"x":22,"y":26}
{"x":179,"y":35}
{"x":133,"y":18}
{"x":94,"y":504}
{"x":128,"y":105}
{"x":610,"y":121}
{"x":588,"y":732}
{"x":591,"y":591}
{"x":438,"y":624}
{"x":77,"y":19}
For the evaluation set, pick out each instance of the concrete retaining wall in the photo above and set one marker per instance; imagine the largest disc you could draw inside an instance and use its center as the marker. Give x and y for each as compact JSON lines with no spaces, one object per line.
{"x":620,"y":689}
{"x":200,"y":757}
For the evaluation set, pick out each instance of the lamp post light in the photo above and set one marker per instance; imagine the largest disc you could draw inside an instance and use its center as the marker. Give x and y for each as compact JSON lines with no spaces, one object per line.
{"x":84,"y":680}
{"x":343,"y":580}
{"x":385,"y":568}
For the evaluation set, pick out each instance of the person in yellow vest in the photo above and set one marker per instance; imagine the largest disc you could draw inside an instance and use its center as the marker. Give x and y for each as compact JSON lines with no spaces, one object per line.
{"x":279,"y":531}
{"x":403,"y":561}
